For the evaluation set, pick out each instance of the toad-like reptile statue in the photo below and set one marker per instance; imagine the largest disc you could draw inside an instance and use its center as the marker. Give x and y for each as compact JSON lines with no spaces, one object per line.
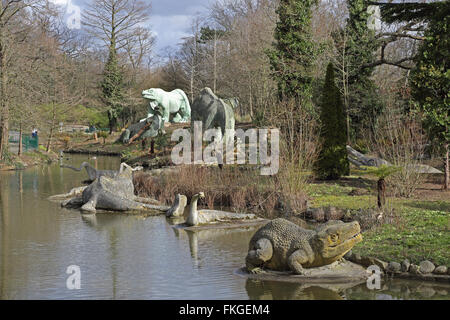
{"x":281,"y":245}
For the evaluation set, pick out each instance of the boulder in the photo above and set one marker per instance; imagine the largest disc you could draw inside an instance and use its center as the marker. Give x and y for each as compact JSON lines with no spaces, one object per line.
{"x":324,"y":214}
{"x":440,"y":270}
{"x":426,"y":267}
{"x":405,"y":265}
{"x":414,"y":269}
{"x":369,"y":261}
{"x":394,"y":267}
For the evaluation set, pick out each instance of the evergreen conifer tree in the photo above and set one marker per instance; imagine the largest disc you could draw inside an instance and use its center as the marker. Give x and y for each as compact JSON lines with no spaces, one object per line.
{"x":112,"y":85}
{"x":294,"y":51}
{"x":333,"y":162}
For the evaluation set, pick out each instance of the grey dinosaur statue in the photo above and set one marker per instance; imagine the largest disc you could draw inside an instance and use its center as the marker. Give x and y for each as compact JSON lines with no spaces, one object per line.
{"x":92,"y":172}
{"x":281,"y":245}
{"x":178,"y":206}
{"x":116,"y":194}
{"x":213,"y":112}
{"x":359,"y":160}
{"x":156,"y":125}
{"x":199,"y":217}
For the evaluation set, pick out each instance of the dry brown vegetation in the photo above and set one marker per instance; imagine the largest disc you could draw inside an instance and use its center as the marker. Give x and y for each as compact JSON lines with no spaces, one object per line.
{"x":233,"y":188}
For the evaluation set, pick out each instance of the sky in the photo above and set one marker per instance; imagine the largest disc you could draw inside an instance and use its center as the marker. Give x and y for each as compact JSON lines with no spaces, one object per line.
{"x":169,"y":20}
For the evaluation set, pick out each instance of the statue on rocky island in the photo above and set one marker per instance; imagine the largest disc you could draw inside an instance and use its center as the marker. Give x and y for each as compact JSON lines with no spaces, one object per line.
{"x":281,"y":245}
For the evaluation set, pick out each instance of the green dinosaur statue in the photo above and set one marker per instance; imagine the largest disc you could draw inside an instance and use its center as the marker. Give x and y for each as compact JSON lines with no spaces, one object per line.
{"x":173,"y":103}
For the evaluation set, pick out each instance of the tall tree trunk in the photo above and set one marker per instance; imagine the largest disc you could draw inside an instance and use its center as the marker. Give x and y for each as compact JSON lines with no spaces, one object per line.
{"x":4,"y":122}
{"x":215,"y":61}
{"x":447,"y":169}
{"x":50,"y":136}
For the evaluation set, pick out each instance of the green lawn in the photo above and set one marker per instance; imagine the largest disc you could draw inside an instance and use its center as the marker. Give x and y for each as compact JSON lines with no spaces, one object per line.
{"x":419,"y":231}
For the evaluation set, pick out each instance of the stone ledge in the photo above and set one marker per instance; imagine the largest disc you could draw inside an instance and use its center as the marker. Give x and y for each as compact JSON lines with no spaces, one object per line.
{"x":224,"y":225}
{"x":340,"y":272}
{"x":424,"y":277}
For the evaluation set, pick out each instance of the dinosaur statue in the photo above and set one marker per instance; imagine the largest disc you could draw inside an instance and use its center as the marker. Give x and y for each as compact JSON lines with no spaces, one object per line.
{"x":92,"y":172}
{"x":156,"y":125}
{"x":214,"y":112}
{"x":178,"y":207}
{"x":115,"y":194}
{"x":198,"y":217}
{"x":173,"y":103}
{"x":282,"y":245}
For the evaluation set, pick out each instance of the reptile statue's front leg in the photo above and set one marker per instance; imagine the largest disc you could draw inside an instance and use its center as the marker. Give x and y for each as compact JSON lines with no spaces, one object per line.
{"x":177,"y":118}
{"x":295,"y":261}
{"x":261,"y":253}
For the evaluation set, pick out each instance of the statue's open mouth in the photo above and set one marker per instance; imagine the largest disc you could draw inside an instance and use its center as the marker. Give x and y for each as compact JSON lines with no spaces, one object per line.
{"x":354,"y":239}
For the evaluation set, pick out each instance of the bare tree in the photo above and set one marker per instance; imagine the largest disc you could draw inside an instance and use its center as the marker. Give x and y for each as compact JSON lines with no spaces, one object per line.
{"x":10,"y":30}
{"x":115,"y":22}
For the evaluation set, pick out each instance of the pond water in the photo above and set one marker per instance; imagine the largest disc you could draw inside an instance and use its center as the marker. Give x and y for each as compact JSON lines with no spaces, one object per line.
{"x":131,"y":257}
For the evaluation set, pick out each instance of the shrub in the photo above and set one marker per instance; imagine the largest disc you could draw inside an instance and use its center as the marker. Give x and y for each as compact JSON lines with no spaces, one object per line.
{"x":399,"y":139}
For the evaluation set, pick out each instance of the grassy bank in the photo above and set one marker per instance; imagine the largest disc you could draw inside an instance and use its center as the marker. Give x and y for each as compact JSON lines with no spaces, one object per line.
{"x":413,"y":228}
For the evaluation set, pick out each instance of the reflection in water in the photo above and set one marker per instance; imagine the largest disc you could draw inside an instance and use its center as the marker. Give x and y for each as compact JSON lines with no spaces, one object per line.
{"x":396,"y":289}
{"x":193,"y":246}
{"x":391,"y":290}
{"x":131,"y":257}
{"x":269,"y":290}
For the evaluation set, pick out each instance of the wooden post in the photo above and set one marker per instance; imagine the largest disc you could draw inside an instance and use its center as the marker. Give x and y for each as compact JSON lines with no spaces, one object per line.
{"x":152,"y":147}
{"x":19,"y":153}
{"x":381,"y":193}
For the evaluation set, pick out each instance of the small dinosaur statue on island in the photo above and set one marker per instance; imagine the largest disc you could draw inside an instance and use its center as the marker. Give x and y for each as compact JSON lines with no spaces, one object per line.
{"x":281,"y":245}
{"x":113,"y":194}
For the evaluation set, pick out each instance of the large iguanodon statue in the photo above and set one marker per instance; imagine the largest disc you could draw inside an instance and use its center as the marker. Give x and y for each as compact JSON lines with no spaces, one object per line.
{"x":214,"y":112}
{"x":282,"y":245}
{"x":174,"y":103}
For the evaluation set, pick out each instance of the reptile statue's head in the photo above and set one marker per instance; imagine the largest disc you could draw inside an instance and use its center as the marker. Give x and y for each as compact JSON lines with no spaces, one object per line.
{"x":201,"y":195}
{"x":151,"y":94}
{"x":335,"y":238}
{"x":154,"y":95}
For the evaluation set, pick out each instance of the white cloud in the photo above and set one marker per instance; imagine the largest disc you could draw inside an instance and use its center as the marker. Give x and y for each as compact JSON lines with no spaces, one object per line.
{"x":170,"y":29}
{"x":60,"y":2}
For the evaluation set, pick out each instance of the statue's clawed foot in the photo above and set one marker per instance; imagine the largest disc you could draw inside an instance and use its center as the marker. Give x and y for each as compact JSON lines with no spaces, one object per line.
{"x":256,"y":271}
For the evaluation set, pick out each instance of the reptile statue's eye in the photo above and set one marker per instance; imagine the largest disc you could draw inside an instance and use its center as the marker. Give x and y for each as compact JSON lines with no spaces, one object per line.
{"x":334,"y":237}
